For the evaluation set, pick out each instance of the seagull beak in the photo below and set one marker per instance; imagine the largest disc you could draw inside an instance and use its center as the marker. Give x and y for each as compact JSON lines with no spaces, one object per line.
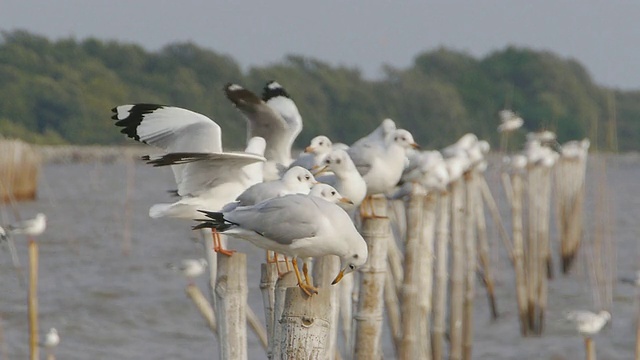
{"x":338,"y":278}
{"x":415,"y":146}
{"x":308,"y":149}
{"x":317,"y":172}
{"x":346,"y":200}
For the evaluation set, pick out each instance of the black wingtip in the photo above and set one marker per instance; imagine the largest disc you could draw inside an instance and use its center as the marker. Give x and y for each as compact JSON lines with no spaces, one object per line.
{"x":273,"y":89}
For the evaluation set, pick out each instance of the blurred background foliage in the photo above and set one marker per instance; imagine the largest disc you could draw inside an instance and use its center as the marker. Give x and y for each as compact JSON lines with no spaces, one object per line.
{"x":62,"y":91}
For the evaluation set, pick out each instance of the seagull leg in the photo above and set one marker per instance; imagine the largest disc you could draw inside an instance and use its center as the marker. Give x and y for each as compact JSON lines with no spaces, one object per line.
{"x":305,"y":272}
{"x":368,"y":202}
{"x":217,"y":244}
{"x":274,"y":259}
{"x":286,"y":262}
{"x":308,"y":289}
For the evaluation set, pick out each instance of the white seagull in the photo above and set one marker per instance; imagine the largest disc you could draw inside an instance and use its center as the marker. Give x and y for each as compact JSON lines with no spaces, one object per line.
{"x":296,"y":180}
{"x":30,"y":227}
{"x":509,"y":121}
{"x":329,"y":193}
{"x":190,"y":268}
{"x":274,"y":117}
{"x":314,"y":154}
{"x":298,"y":226}
{"x":588,"y":323}
{"x":345,"y":178}
{"x":382,"y":167}
{"x":376,"y":137}
{"x":52,"y":339}
{"x":206,"y":176}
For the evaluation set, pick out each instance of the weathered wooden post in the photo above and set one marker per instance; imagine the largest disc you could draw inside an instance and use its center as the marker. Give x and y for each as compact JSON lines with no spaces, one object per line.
{"x":457,"y":270}
{"x":470,"y":264}
{"x":426,"y":271}
{"x":369,"y":316}
{"x":440,"y":295}
{"x":305,"y":325}
{"x":268,"y":279}
{"x":483,"y":248}
{"x":518,"y":253}
{"x":285,"y":282}
{"x":230,"y":305}
{"x":325,"y":270}
{"x":410,"y":347}
{"x":33,"y":300}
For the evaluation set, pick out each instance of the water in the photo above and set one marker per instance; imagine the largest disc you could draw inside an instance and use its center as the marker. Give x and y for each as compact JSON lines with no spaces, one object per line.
{"x":109,"y":306}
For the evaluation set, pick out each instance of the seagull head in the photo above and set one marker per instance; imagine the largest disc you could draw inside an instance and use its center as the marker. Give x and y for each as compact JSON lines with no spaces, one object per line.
{"x":319,"y":145}
{"x":299,"y":178}
{"x":328,"y":193}
{"x":354,"y":259}
{"x":404,"y":139}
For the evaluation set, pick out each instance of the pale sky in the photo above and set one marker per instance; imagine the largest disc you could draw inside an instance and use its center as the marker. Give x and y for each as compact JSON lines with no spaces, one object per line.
{"x":602,"y":35}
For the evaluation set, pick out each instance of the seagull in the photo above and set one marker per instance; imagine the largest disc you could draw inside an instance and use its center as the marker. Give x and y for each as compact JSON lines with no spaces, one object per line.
{"x":509,"y":121}
{"x":382,"y":167}
{"x":345,"y":178}
{"x":575,"y":149}
{"x":588,"y":323}
{"x":635,"y":281}
{"x":206,"y":176}
{"x":52,"y":339}
{"x":30,"y":227}
{"x":274,"y":117}
{"x":329,"y":193}
{"x":296,"y":180}
{"x":376,"y":137}
{"x":298,"y":226}
{"x":314,"y":154}
{"x":190,"y":268}
{"x":430,"y":170}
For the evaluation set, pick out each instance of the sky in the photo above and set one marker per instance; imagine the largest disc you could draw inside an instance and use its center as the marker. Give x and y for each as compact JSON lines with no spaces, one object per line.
{"x":604,"y":36}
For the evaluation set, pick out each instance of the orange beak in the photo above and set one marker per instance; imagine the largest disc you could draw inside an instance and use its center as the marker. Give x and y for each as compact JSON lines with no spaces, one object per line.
{"x":415,"y":146}
{"x":308,"y":149}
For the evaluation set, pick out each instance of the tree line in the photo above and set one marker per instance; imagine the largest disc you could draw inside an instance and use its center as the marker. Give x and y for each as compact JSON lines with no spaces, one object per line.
{"x":62,"y":92}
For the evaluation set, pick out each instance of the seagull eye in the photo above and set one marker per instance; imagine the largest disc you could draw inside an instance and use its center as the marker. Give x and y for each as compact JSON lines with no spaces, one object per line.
{"x":352,"y":267}
{"x":338,"y":161}
{"x":320,"y":143}
{"x":395,"y":139}
{"x":327,"y":161}
{"x":307,"y":177}
{"x":333,"y":193}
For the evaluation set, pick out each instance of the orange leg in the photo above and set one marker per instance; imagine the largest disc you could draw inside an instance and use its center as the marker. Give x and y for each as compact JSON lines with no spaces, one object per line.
{"x":368,"y":202}
{"x":307,"y":288}
{"x":217,"y":244}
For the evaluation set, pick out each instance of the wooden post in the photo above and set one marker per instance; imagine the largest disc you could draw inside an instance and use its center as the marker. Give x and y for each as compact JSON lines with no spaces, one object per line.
{"x":33,"y":300}
{"x":369,"y":317}
{"x":268,"y":279}
{"x":590,"y":348}
{"x":231,"y":301}
{"x":325,"y":270}
{"x":470,"y":263}
{"x":544,"y":264}
{"x":483,"y":249}
{"x":392,"y":304}
{"x":457,"y":270}
{"x":287,"y":280}
{"x":410,"y":347}
{"x":440,"y":295}
{"x":425,"y":269}
{"x":532,"y":253}
{"x":518,"y":253}
{"x":305,"y":325}
{"x":203,"y":306}
{"x":346,"y":310}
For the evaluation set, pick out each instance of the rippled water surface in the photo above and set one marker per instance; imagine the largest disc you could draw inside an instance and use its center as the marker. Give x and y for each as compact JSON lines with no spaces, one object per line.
{"x":109,"y":306}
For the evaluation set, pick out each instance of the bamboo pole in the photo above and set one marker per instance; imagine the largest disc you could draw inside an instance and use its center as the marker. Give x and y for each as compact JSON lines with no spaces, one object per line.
{"x":470,"y":263}
{"x":286,"y":281}
{"x":33,"y":300}
{"x":257,"y":327}
{"x":518,"y":254}
{"x":457,"y":270}
{"x":483,"y":250}
{"x":346,"y":292}
{"x":368,"y":320}
{"x":410,"y":344}
{"x":495,"y":214}
{"x":440,"y":294}
{"x":203,"y":306}
{"x":305,"y":325}
{"x":532,"y":253}
{"x":231,"y":302}
{"x":392,"y":304}
{"x":590,"y":348}
{"x":268,"y":279}
{"x":544,"y":265}
{"x":425,"y":269}
{"x":325,"y":270}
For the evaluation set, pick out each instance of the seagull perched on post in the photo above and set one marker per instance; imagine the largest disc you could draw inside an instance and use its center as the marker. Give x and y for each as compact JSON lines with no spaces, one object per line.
{"x":30,"y":227}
